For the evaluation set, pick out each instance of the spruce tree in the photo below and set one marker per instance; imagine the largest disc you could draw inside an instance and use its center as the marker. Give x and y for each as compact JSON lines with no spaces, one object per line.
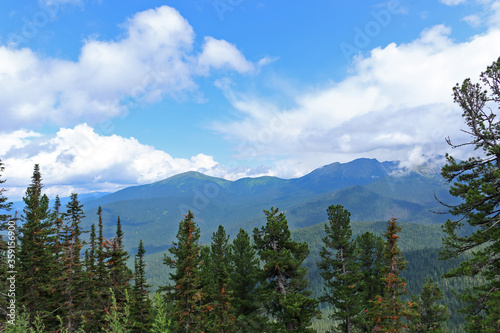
{"x":119,"y":273}
{"x":432,"y":314}
{"x":73,"y":275}
{"x":35,"y":259}
{"x":371,"y":260}
{"x":186,"y":291}
{"x":141,"y":309}
{"x":285,"y":291}
{"x":340,"y":269}
{"x":389,"y":310}
{"x":218,"y":308}
{"x":245,"y":277}
{"x":476,"y":181}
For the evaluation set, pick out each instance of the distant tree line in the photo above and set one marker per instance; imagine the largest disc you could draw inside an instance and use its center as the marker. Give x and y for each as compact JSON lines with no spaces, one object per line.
{"x":258,"y":283}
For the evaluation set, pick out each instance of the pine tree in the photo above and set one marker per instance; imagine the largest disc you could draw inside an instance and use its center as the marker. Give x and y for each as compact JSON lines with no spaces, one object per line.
{"x":371,"y":260}
{"x":285,"y":292}
{"x":340,"y":269}
{"x":244,"y":280}
{"x":476,"y":182}
{"x":141,"y":309}
{"x":35,"y":257}
{"x":185,"y":261}
{"x":389,"y":310}
{"x":218,"y":308}
{"x":73,"y":275}
{"x":432,"y":315}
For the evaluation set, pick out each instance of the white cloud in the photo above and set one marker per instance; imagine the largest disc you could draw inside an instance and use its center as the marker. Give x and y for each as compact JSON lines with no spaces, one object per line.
{"x":473,"y":20}
{"x":155,"y":59}
{"x":221,"y":54}
{"x":453,"y":2}
{"x":398,"y":98}
{"x":78,"y":159}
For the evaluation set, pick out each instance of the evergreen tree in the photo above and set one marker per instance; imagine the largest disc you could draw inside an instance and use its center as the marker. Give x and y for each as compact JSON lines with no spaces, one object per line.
{"x":5,"y":207}
{"x":389,"y":310}
{"x":73,"y":275}
{"x":340,"y":268}
{"x":477,"y":182}
{"x":102,"y":276}
{"x":219,"y":310}
{"x":244,"y":280}
{"x":371,"y":260}
{"x":284,"y":293}
{"x":141,"y":304}
{"x":35,"y":258}
{"x":119,"y":273}
{"x":432,"y":314}
{"x":185,"y":261}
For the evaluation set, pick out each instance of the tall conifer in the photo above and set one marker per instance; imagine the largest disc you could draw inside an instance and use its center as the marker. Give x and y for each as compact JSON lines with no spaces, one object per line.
{"x":186,"y":291}
{"x":35,"y":257}
{"x":389,"y":311}
{"x":141,"y":309}
{"x":245,"y":278}
{"x":285,"y":292}
{"x":340,"y":269}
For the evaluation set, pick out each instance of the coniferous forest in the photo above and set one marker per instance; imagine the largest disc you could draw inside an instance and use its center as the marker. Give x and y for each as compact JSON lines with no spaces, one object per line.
{"x":59,"y":277}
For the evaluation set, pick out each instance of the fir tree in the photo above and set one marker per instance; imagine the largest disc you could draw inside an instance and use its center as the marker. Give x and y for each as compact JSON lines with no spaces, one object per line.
{"x":216,"y":288}
{"x":244,"y":280}
{"x":371,"y":260}
{"x":73,"y":278}
{"x":432,"y":315}
{"x":284,"y":293}
{"x":141,"y":304}
{"x":35,"y":256}
{"x":340,"y":269}
{"x":389,"y":310}
{"x":120,"y":274}
{"x":185,"y":261}
{"x":476,"y":182}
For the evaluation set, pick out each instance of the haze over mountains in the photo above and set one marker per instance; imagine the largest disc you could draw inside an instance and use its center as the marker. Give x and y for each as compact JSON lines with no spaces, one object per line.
{"x":370,"y":190}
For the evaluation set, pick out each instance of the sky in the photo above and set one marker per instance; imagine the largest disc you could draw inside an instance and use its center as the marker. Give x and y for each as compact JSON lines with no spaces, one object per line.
{"x":106,"y":94}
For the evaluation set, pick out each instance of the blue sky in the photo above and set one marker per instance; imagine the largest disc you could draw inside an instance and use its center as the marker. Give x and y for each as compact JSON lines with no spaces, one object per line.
{"x":104,"y":96}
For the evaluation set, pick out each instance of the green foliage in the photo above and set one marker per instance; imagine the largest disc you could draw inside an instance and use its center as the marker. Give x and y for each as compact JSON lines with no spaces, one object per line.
{"x":162,"y":321}
{"x":216,"y":268}
{"x":370,"y":257}
{"x":285,"y":293}
{"x":244,"y":279}
{"x":432,"y":315}
{"x":118,"y":319}
{"x":477,"y":182}
{"x":35,"y":260}
{"x":389,"y":310}
{"x":340,"y":268}
{"x":141,"y":304}
{"x":186,"y":291}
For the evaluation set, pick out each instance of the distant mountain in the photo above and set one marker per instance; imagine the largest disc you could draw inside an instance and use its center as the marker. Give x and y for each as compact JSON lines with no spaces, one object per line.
{"x":371,"y":190}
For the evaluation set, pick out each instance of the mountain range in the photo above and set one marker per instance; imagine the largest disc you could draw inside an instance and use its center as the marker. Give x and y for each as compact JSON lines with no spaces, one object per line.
{"x":370,"y":190}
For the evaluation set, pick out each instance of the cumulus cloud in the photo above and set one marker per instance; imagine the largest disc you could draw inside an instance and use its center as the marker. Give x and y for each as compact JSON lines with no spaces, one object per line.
{"x":155,"y":59}
{"x":397,"y":98}
{"x":79,"y":159}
